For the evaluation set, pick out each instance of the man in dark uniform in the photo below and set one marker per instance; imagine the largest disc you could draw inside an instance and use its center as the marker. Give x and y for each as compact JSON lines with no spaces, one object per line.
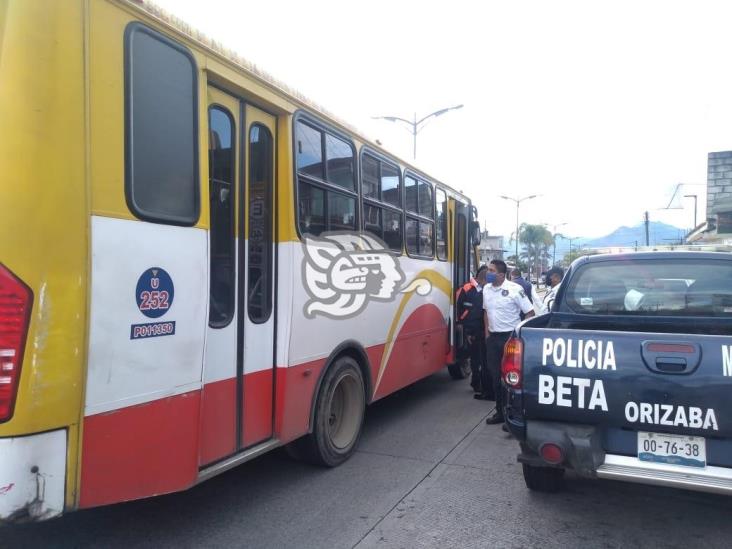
{"x":525,"y":284}
{"x":470,"y":315}
{"x":521,"y":281}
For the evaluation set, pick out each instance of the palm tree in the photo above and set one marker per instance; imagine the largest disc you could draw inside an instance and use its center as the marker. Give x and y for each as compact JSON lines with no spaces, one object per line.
{"x":535,"y":240}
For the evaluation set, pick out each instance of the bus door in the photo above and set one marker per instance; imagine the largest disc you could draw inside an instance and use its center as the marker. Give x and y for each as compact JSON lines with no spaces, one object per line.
{"x":256,"y":277}
{"x":462,"y":257}
{"x":461,"y":267}
{"x":237,"y":403}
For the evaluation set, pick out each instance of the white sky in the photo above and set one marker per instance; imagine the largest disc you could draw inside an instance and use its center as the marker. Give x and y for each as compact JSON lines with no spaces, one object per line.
{"x":601,"y":107}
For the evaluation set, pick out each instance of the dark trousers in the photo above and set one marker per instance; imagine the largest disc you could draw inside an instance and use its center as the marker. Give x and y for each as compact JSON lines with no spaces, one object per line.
{"x":493,"y":356}
{"x":477,"y":362}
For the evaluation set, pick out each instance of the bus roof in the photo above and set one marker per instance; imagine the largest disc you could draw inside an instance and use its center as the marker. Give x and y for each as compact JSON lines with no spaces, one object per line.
{"x":278,"y":86}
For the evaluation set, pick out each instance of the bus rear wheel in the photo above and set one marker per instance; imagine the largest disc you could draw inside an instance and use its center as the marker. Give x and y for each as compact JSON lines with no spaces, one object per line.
{"x":339,"y":413}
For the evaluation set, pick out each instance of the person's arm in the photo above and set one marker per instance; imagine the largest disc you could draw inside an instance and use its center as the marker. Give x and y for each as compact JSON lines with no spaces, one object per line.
{"x":526,"y":306}
{"x":485,"y":323}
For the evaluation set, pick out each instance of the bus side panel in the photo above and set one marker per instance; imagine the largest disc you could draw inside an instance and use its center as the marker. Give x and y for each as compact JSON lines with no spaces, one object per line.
{"x":423,"y":337}
{"x":405,"y":339}
{"x":140,"y":451}
{"x":145,"y":365}
{"x":295,"y":391}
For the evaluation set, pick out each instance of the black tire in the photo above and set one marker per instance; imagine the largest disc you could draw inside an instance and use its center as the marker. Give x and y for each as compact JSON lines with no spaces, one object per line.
{"x":543,"y":479}
{"x":339,"y":413}
{"x":459,"y":369}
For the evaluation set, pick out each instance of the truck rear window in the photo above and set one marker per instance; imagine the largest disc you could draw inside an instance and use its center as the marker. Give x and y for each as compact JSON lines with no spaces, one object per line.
{"x":652,"y":287}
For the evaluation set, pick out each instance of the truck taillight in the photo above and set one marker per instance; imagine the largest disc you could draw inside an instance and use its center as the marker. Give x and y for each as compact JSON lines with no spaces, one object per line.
{"x":15,"y":305}
{"x":511,"y":364}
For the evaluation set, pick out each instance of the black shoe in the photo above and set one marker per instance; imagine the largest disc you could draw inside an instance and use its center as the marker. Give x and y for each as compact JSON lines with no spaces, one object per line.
{"x":504,"y":428}
{"x":494,"y":420}
{"x":481,"y":396}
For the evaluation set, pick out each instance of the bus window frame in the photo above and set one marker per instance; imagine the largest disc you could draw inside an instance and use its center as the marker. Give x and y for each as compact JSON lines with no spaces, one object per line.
{"x":379,"y":203}
{"x":309,"y":120}
{"x":416,"y":216}
{"x":130,"y":30}
{"x":269,"y":268}
{"x":440,"y":189}
{"x":234,"y":197}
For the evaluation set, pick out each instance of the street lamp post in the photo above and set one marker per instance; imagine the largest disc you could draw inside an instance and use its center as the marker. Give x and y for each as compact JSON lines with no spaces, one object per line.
{"x":416,"y":125}
{"x":694,"y":197}
{"x":570,"y":244}
{"x":518,"y":201}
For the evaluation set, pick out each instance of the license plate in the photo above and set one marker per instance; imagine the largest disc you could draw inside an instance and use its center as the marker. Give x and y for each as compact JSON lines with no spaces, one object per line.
{"x":672,"y":449}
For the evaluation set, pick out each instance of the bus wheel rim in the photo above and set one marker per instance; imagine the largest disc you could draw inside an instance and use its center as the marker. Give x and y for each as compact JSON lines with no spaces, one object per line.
{"x":344,"y":411}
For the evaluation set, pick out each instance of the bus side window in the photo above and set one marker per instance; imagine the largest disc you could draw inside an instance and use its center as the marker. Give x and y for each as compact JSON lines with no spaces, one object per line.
{"x":326,"y":190}
{"x":259,"y":212}
{"x":221,"y":156}
{"x":420,"y":213}
{"x":381,"y":194}
{"x":161,"y":128}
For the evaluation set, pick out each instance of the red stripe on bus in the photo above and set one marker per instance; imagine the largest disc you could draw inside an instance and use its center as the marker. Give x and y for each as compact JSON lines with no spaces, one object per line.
{"x":156,"y":447}
{"x":294,"y":388}
{"x":218,"y":420}
{"x":140,"y":451}
{"x":419,"y":350}
{"x":257,"y":407}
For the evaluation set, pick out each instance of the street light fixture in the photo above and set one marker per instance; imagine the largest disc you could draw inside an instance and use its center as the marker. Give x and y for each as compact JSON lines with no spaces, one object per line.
{"x":518,"y":201}
{"x":416,"y":125}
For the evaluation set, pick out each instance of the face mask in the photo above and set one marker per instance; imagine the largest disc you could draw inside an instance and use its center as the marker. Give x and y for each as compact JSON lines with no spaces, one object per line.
{"x":490,"y":278}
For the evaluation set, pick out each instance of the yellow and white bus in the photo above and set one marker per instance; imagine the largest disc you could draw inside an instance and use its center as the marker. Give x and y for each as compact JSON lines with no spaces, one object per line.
{"x":196,"y":264}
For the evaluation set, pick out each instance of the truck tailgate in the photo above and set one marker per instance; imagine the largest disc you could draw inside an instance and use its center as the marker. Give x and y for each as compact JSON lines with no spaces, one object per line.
{"x":671,"y":383}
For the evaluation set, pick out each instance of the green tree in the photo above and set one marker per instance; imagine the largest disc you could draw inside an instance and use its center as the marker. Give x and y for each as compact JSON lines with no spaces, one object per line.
{"x":536,"y":241}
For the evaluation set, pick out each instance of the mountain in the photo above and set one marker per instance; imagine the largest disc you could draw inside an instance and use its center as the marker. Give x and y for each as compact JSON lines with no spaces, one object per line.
{"x":659,"y":233}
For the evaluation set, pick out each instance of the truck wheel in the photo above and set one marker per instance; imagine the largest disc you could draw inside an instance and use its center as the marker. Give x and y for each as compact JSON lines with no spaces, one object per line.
{"x":339,"y":413}
{"x":543,"y":479}
{"x":459,"y":369}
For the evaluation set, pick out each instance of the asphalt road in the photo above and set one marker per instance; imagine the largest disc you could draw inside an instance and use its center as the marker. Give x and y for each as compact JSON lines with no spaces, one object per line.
{"x":428,"y":473}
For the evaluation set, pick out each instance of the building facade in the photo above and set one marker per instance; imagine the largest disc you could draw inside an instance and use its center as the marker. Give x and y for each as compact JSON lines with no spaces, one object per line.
{"x":491,"y":247}
{"x":718,"y":226}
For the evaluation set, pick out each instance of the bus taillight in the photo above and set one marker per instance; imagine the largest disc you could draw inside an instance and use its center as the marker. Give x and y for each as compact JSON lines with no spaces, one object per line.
{"x":15,"y":305}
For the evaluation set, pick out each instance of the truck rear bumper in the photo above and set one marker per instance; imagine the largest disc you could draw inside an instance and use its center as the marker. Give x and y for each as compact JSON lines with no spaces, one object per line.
{"x":630,"y":469}
{"x":32,"y":476}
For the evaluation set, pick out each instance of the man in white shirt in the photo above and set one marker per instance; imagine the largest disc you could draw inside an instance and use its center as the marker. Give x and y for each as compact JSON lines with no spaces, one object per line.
{"x":503,"y":303}
{"x":553,"y":280}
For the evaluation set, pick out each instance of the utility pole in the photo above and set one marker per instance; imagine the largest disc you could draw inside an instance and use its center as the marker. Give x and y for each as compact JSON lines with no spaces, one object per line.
{"x":648,"y":243}
{"x":518,"y":201}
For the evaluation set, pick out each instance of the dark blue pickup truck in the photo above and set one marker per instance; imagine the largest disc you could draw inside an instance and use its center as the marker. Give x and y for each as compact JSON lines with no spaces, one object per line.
{"x":629,"y":377}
